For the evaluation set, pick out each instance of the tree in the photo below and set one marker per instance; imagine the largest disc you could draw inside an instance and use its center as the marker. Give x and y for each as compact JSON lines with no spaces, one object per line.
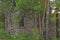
{"x":58,"y":17}
{"x":48,"y":20}
{"x":31,"y":10}
{"x":9,"y":8}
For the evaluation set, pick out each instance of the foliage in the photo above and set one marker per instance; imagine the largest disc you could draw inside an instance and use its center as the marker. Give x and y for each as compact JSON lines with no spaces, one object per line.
{"x":16,"y":17}
{"x":53,"y":19}
{"x":22,"y":36}
{"x":58,"y":2}
{"x":30,"y":4}
{"x":5,"y":5}
{"x":29,"y":7}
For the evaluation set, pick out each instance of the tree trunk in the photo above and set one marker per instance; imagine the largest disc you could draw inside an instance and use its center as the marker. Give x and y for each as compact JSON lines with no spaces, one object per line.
{"x":58,"y":27}
{"x":9,"y":22}
{"x":40,"y":26}
{"x":29,"y":21}
{"x":48,"y":20}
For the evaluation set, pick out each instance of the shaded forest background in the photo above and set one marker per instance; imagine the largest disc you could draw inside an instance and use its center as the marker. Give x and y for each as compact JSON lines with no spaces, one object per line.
{"x":30,"y":19}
